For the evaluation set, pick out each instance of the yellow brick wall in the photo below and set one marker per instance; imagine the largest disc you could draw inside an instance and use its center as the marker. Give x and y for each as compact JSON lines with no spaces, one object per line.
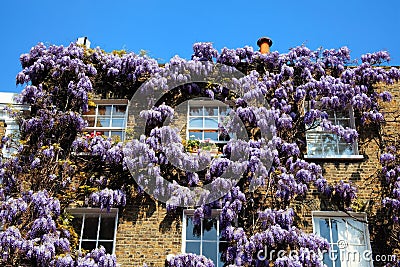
{"x":146,"y":234}
{"x":2,"y":129}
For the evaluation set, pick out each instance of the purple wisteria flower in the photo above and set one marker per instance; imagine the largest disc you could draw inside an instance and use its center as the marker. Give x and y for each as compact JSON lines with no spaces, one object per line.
{"x":189,"y":260}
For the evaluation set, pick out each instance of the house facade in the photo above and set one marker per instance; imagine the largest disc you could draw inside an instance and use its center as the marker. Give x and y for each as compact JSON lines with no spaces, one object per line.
{"x":145,"y":233}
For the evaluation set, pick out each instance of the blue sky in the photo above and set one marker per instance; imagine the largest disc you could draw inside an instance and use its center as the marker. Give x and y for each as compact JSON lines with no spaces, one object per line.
{"x":167,"y":28}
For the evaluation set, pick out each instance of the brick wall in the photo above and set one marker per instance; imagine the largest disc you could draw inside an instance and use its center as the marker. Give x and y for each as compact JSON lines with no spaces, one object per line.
{"x":2,"y":129}
{"x":146,"y":234}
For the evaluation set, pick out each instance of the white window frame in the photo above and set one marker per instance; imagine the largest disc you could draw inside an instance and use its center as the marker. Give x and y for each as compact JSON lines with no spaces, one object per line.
{"x":189,"y":213}
{"x":319,"y":131}
{"x":12,"y":127}
{"x":203,"y":104}
{"x":346,"y":216}
{"x":109,"y":129}
{"x":95,"y":211}
{"x":11,"y":130}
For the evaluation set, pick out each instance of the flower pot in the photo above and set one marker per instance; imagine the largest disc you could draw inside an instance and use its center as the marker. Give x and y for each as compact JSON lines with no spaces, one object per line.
{"x":214,"y":152}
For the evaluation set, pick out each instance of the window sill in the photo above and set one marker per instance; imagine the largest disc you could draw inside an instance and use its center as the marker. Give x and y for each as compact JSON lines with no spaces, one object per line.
{"x":335,"y":157}
{"x":80,"y":154}
{"x":91,"y":210}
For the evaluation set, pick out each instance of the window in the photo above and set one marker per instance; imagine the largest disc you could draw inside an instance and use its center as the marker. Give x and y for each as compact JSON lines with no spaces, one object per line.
{"x":347,"y":236}
{"x":108,"y":118}
{"x":204,"y":239}
{"x":95,"y":228}
{"x":11,"y":125}
{"x":203,"y":120}
{"x":325,"y":144}
{"x":12,"y":132}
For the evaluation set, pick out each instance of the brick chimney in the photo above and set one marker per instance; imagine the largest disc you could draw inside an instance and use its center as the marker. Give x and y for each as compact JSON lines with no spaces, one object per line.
{"x":265,"y":44}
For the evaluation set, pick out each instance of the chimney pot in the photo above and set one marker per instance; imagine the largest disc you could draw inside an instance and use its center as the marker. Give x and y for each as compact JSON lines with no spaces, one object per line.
{"x":265,"y":44}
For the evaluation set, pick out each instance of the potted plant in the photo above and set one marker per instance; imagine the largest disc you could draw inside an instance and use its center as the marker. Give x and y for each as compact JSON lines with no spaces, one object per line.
{"x":192,"y":145}
{"x":210,"y":146}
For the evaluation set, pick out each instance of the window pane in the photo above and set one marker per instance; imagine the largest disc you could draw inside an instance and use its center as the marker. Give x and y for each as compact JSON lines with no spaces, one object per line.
{"x":90,"y":121}
{"x":193,"y":247}
{"x":196,"y":111}
{"x":224,"y":111}
{"x":329,"y":144}
{"x":210,"y":123}
{"x":220,"y":262}
{"x":314,"y":149}
{"x":327,"y":259}
{"x":119,"y":110}
{"x":103,"y":122}
{"x":191,"y":231}
{"x":343,"y":122}
{"x":212,"y":135}
{"x":314,"y":144}
{"x":196,"y":123}
{"x":336,"y":256}
{"x":211,"y":111}
{"x":88,"y":245}
{"x":345,"y":149}
{"x":77,"y":224}
{"x":118,"y":134}
{"x":90,"y":227}
{"x":355,"y":232}
{"x":107,"y":226}
{"x":324,"y":228}
{"x":118,"y":123}
{"x":210,"y":251}
{"x":210,"y":229}
{"x":108,"y":246}
{"x":354,"y":256}
{"x":104,"y":110}
{"x":338,"y":230}
{"x":194,"y":135}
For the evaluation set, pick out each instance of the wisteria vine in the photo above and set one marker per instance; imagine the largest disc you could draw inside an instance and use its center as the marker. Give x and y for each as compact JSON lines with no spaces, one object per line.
{"x":51,"y":168}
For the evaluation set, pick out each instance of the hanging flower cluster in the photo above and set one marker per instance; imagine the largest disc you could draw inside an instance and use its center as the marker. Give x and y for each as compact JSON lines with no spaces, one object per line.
{"x":108,"y":198}
{"x":189,"y":260}
{"x":391,"y":173}
{"x":96,"y":257}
